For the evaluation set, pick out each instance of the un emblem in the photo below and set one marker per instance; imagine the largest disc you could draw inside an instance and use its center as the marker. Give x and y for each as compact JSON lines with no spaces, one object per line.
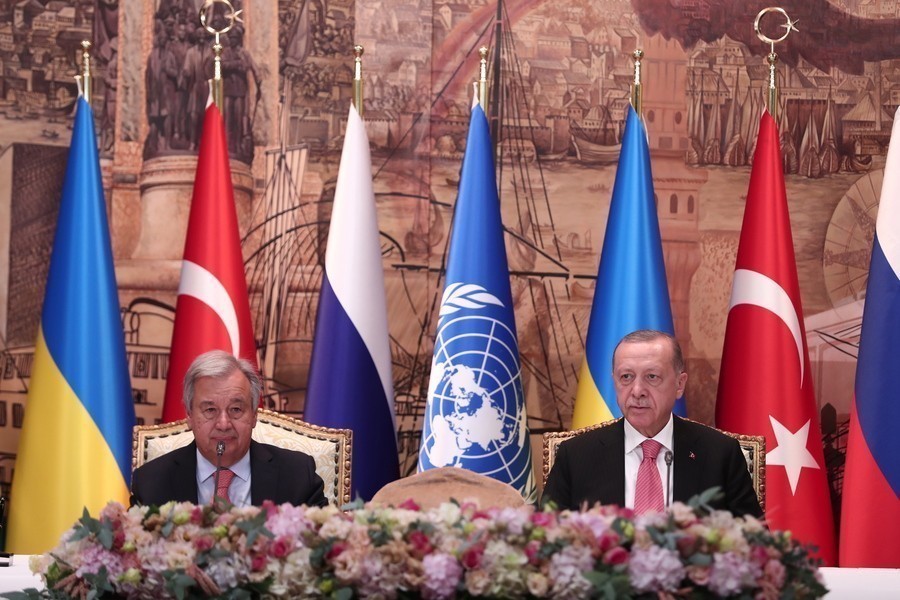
{"x":475,"y":416}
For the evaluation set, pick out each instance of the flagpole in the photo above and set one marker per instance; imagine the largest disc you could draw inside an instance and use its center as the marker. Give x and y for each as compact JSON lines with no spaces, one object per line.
{"x":482,"y":77}
{"x":637,"y":88}
{"x":357,"y":79}
{"x":772,"y":57}
{"x":85,"y":79}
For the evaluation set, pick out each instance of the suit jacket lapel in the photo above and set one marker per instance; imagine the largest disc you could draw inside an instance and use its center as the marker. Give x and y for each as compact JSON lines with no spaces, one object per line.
{"x":184,"y":476}
{"x":611,"y":461}
{"x":263,"y":475}
{"x":687,"y":465}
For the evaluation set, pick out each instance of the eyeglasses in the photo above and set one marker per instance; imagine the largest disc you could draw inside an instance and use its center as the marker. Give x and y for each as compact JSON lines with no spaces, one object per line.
{"x":234,"y":412}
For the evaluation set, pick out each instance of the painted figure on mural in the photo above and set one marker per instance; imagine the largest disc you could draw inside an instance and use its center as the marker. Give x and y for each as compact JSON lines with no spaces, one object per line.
{"x":178,"y":68}
{"x":236,"y":66}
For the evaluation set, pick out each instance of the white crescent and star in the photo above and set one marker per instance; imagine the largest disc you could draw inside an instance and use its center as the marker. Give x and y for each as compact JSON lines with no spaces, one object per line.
{"x":751,"y":287}
{"x":792,"y":452}
{"x":755,"y":288}
{"x":205,"y":287}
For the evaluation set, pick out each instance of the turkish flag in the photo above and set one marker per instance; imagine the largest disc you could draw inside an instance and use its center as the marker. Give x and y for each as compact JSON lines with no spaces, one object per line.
{"x":213,"y":308}
{"x":765,"y":384}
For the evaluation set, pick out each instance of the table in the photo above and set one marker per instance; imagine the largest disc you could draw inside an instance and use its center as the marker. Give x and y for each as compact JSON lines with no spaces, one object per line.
{"x":859,"y":584}
{"x":849,"y":584}
{"x":18,"y":576}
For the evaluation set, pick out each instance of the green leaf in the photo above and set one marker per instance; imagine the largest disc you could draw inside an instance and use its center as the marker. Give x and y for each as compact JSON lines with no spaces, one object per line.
{"x":28,"y":594}
{"x":611,"y":586}
{"x":178,"y":582}
{"x":343,"y":593}
{"x":255,"y":527}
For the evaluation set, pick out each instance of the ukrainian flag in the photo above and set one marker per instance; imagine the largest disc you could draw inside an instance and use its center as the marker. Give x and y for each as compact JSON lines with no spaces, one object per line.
{"x":75,"y":447}
{"x":631,"y":291}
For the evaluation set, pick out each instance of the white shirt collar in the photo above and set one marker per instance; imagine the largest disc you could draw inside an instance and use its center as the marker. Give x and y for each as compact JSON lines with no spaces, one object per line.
{"x":633,"y":438}
{"x":206,"y":469}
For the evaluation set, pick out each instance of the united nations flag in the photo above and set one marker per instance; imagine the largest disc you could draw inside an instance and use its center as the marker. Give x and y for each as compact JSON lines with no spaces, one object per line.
{"x":475,"y":416}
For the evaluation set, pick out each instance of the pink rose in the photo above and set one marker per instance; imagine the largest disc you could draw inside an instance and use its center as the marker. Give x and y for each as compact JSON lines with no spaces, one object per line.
{"x":270,"y":507}
{"x":280,"y":547}
{"x":420,"y":543}
{"x":686,"y":545}
{"x":204,"y":543}
{"x":543,"y":519}
{"x":607,"y":541}
{"x":471,"y":558}
{"x":775,"y":572}
{"x":118,"y":539}
{"x":336,"y":549}
{"x":616,"y":556}
{"x":410,"y":504}
{"x":197,"y":515}
{"x":259,"y":562}
{"x":532,"y":549}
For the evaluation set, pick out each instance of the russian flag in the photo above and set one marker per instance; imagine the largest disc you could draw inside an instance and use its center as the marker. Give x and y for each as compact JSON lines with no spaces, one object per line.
{"x":870,"y":514}
{"x":631,"y":291}
{"x":350,"y":384}
{"x":75,"y":448}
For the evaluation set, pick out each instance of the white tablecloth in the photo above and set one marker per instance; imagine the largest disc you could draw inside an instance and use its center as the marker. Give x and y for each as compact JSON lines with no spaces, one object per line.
{"x":850,"y":584}
{"x":861,"y":584}
{"x":17,"y":576}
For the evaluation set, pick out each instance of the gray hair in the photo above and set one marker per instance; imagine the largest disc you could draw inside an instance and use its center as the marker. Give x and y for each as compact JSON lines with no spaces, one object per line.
{"x":218,"y":363}
{"x":652,"y":335}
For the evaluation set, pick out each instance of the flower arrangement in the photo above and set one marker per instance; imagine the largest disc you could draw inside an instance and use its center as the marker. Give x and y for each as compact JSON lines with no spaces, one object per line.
{"x":454,"y":551}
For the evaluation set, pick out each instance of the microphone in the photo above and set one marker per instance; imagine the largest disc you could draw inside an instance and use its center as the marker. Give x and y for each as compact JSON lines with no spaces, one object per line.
{"x":668,"y":457}
{"x":220,"y":450}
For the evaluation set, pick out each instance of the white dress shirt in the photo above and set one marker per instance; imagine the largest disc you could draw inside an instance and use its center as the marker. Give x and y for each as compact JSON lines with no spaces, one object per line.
{"x":238,"y":491}
{"x":634,"y":454}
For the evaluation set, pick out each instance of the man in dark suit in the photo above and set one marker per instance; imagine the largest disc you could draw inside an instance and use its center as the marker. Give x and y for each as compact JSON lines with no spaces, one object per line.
{"x":221,"y":396}
{"x":650,"y":457}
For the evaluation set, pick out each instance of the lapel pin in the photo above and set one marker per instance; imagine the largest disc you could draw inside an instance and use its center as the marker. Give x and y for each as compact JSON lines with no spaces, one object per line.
{"x":692,"y":455}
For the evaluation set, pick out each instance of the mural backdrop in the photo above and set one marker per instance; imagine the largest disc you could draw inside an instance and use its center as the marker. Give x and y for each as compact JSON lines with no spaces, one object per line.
{"x":560,"y":75}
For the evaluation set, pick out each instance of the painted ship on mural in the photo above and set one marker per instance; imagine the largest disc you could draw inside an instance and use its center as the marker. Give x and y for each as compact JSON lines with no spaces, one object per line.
{"x":827,"y":123}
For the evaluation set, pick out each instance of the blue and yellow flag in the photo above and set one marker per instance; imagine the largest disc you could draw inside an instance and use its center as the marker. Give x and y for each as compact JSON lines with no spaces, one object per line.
{"x":75,"y":447}
{"x":475,"y":412}
{"x":631,"y":291}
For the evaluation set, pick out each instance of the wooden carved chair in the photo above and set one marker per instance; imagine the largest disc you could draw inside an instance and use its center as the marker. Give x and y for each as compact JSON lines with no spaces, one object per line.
{"x":753,"y":447}
{"x":332,"y":449}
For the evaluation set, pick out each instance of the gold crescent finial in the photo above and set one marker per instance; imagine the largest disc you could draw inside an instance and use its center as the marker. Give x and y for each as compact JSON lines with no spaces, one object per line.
{"x":772,"y":58}
{"x":85,"y":78}
{"x":232,"y":16}
{"x":637,"y":88}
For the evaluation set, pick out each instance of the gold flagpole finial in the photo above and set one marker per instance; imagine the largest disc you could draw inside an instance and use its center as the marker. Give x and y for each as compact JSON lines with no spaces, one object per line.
{"x":231,"y":16}
{"x":482,"y":77}
{"x":772,"y":57}
{"x":637,"y":88}
{"x":85,"y":78}
{"x":357,"y":79}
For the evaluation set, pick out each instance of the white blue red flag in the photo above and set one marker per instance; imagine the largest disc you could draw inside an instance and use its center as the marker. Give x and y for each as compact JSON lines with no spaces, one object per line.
{"x":871,"y":504}
{"x":350,"y":383}
{"x":475,"y":412}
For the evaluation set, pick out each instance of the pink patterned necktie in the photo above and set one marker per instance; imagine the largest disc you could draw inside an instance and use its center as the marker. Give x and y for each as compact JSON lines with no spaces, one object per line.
{"x":225,"y":477}
{"x":648,"y":494}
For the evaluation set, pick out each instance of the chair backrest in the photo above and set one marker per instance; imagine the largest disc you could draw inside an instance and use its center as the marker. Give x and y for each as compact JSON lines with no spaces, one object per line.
{"x":433,"y":487}
{"x":332,"y":449}
{"x":753,"y":447}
